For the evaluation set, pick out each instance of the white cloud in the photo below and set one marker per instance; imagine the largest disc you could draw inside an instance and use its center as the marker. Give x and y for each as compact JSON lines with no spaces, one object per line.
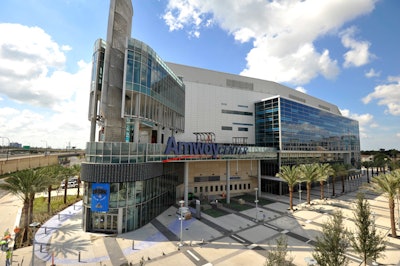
{"x":387,"y":95}
{"x":365,"y":121}
{"x":44,"y":102}
{"x":301,"y":89}
{"x":398,"y":135}
{"x":372,"y":73}
{"x":359,"y":54}
{"x":283,"y":32}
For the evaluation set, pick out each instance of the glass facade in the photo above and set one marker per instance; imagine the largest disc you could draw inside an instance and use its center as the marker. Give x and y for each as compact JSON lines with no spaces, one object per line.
{"x":137,"y":202}
{"x":303,"y":133}
{"x":153,"y":93}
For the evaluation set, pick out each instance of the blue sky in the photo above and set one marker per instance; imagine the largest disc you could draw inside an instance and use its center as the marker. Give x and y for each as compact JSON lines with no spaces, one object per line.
{"x":344,"y":52}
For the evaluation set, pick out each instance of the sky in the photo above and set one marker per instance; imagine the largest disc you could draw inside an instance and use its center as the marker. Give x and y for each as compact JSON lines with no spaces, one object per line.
{"x":343,"y":52}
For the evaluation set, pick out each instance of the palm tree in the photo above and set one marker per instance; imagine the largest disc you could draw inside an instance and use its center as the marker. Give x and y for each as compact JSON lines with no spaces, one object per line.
{"x":52,"y":176}
{"x":388,"y":185}
{"x":289,"y":174}
{"x":24,"y":184}
{"x":66,"y":173}
{"x":324,"y":172}
{"x":309,"y":174}
{"x":367,"y":165}
{"x":340,"y":171}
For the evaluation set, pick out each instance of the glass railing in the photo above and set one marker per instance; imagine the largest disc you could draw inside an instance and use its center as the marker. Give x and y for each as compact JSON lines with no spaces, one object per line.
{"x":123,"y":152}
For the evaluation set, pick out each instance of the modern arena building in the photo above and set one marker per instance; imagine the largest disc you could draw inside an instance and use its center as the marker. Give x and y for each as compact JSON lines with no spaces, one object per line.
{"x":162,"y":132}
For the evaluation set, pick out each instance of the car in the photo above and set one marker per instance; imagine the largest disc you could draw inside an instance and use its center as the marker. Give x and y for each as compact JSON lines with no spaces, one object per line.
{"x":72,"y":183}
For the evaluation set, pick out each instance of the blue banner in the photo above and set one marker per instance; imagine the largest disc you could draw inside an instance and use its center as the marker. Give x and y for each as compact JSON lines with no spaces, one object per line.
{"x":100,"y":197}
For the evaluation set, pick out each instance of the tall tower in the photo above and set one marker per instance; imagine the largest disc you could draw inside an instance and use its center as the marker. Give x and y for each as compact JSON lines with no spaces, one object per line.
{"x":118,"y":32}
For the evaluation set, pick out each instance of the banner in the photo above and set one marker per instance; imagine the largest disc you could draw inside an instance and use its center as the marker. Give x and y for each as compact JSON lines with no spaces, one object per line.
{"x":100,"y":197}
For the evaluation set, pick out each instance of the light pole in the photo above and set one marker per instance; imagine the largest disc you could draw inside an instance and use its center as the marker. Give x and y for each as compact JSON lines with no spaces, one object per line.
{"x":256,"y":201}
{"x":299,"y":193}
{"x":33,"y":225}
{"x":182,"y":202}
{"x":45,"y":150}
{"x":7,"y":146}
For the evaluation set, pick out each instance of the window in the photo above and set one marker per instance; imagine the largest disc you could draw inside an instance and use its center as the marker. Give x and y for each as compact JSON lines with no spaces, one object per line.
{"x":211,"y":188}
{"x":195,"y":189}
{"x":216,"y":188}
{"x":243,"y":129}
{"x":201,"y":189}
{"x":226,"y":128}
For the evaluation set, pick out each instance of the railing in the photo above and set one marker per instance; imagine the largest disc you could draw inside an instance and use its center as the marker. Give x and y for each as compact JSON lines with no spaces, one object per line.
{"x":124,"y":152}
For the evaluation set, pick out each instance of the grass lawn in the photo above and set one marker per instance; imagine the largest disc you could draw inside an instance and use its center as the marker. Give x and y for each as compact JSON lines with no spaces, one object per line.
{"x":214,"y":212}
{"x":251,"y":198}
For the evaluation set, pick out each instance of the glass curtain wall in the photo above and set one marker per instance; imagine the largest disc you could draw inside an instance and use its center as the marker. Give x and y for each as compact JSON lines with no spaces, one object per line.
{"x":305,"y":133}
{"x":152,"y":91}
{"x":140,"y":201}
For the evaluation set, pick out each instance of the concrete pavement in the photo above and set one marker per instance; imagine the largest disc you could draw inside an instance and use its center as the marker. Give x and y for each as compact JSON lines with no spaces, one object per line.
{"x":232,"y":239}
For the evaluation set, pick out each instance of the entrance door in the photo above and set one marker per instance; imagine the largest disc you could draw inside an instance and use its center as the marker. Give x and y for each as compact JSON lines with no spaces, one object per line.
{"x":104,"y":222}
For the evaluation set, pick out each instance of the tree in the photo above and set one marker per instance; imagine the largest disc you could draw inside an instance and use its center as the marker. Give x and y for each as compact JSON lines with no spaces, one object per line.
{"x":289,"y":174}
{"x":24,"y":184}
{"x":330,"y":247}
{"x":324,"y":172}
{"x":66,"y":173}
{"x":309,"y":174}
{"x":365,"y":240}
{"x":367,"y":165}
{"x":340,"y":171}
{"x":278,"y":255}
{"x":52,"y":176}
{"x":388,"y":185}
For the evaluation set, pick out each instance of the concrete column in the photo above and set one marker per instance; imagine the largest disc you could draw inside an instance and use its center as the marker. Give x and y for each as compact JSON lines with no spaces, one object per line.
{"x":259,"y":177}
{"x":120,"y":218}
{"x":228,"y":182}
{"x":159,"y":128}
{"x":186,"y":182}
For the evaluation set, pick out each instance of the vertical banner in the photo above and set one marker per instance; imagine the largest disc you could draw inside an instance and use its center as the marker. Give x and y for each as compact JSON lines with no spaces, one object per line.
{"x":100,"y":197}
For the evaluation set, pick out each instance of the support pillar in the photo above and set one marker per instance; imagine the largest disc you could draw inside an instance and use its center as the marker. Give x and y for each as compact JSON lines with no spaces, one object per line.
{"x":259,"y":177}
{"x":228,"y":182}
{"x":186,"y":183}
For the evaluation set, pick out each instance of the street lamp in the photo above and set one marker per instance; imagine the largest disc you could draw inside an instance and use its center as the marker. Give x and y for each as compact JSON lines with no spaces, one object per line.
{"x":182,"y":202}
{"x":45,"y":150}
{"x":7,"y":146}
{"x":299,"y":193}
{"x":256,"y":201}
{"x":33,"y":225}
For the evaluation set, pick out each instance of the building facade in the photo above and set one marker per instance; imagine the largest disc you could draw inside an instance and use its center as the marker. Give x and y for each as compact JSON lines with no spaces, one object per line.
{"x":162,"y":132}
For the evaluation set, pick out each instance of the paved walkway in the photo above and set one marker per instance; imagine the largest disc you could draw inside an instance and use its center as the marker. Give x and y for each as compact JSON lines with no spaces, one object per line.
{"x":232,"y":239}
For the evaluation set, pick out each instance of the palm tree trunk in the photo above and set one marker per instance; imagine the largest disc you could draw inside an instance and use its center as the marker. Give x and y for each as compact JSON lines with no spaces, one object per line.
{"x":25,"y":209}
{"x":321,"y":186}
{"x":308,"y":192}
{"x":65,"y":190}
{"x":48,"y":199}
{"x":333,"y":186}
{"x":392,"y":222}
{"x":291,"y":198}
{"x":31,"y":199}
{"x":79,"y":186}
{"x":342,"y":177}
{"x":367,"y":175}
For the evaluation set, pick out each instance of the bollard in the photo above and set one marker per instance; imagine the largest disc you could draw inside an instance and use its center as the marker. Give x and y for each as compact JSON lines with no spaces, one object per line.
{"x":58,"y":216}
{"x":133,"y":244}
{"x":41,"y":248}
{"x":79,"y":256}
{"x":45,"y":230}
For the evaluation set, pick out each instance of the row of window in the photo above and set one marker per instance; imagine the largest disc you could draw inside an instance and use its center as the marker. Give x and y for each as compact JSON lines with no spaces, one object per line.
{"x":222,"y":188}
{"x":230,"y":128}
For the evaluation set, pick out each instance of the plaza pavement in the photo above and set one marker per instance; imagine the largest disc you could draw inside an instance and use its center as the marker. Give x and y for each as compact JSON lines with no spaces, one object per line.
{"x":233,"y":239}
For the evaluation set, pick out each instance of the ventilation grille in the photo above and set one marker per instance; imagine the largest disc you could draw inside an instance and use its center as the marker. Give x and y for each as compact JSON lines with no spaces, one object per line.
{"x":239,"y":84}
